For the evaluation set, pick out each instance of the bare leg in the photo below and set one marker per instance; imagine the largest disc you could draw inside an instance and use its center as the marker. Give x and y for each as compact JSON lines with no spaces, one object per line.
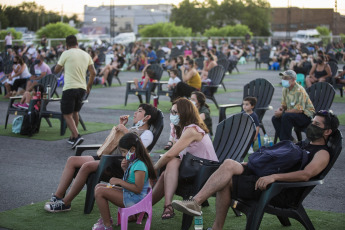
{"x":71,"y":124}
{"x":105,"y":75}
{"x":158,"y":190}
{"x":26,"y":97}
{"x":76,"y":118}
{"x":72,"y":164}
{"x":223,"y":200}
{"x":102,"y":196}
{"x":80,"y":180}
{"x":136,"y":83}
{"x":219,"y":180}
{"x":8,"y":90}
{"x":171,"y":180}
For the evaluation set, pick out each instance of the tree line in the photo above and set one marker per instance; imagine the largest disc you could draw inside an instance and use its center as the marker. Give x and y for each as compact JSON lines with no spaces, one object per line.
{"x":30,"y":15}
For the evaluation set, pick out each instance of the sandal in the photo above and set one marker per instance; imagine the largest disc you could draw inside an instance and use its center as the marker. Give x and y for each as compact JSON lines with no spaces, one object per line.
{"x":168,"y":146}
{"x":168,"y":212}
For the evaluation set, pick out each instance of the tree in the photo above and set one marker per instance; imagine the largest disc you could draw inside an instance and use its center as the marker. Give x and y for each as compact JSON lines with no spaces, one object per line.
{"x":16,"y":35}
{"x":323,"y":31}
{"x":165,"y":30}
{"x":57,"y":30}
{"x":228,"y":31}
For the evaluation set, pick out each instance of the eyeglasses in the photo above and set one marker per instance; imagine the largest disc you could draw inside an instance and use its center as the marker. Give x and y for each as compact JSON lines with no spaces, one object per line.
{"x":173,"y":112}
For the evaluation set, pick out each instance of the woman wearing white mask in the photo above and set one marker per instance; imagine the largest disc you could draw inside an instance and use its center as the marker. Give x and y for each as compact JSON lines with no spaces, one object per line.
{"x":191,"y":134}
{"x":142,"y":119}
{"x":191,"y":80}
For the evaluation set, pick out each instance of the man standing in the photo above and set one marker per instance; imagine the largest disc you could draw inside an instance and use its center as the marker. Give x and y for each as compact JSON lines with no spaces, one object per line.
{"x":75,"y":63}
{"x":8,"y":41}
{"x":296,"y":109}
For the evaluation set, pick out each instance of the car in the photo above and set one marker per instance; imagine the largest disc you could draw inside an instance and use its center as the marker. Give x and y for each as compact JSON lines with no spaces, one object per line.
{"x":307,"y":36}
{"x":124,"y":38}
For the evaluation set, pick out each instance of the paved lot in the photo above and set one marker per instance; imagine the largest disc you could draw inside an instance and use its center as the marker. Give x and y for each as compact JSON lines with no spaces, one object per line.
{"x":30,"y":169}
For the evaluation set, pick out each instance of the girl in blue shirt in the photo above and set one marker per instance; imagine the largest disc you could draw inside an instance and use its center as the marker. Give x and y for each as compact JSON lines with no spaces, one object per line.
{"x":134,"y":185}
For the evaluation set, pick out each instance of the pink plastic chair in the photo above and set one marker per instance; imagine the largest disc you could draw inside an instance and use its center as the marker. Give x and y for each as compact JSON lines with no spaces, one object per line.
{"x":145,"y":205}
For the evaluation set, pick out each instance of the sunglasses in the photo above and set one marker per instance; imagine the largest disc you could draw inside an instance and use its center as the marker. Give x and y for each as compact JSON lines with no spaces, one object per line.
{"x":173,"y":112}
{"x":326,"y":112}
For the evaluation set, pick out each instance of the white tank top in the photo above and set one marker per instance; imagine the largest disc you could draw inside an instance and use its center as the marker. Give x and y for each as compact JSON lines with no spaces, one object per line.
{"x":26,"y":73}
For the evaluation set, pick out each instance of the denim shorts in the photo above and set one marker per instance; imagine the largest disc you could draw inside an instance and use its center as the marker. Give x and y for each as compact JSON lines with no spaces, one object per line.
{"x":130,"y":198}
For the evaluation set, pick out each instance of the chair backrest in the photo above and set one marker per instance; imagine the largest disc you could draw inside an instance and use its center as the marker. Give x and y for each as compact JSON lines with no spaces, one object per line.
{"x":321,"y":95}
{"x":335,"y":144}
{"x":200,"y":63}
{"x":334,"y":68}
{"x":175,"y":52}
{"x":225,"y":63}
{"x":216,"y":74}
{"x":233,"y":137}
{"x":158,"y":71}
{"x":221,"y":55}
{"x":263,"y":91}
{"x":265,"y":55}
{"x":50,"y":80}
{"x":160,"y":54}
{"x":156,"y":128}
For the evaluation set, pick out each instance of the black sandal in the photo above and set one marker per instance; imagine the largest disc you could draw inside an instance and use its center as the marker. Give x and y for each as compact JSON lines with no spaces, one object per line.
{"x":168,"y":146}
{"x":168,"y":212}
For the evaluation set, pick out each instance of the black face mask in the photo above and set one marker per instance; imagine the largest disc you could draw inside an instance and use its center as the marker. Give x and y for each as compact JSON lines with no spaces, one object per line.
{"x":319,"y":61}
{"x":15,"y":62}
{"x":37,"y":61}
{"x":314,"y":132}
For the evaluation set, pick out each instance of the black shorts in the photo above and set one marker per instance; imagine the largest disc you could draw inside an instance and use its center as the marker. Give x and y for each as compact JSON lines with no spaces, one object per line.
{"x":72,"y":100}
{"x":243,"y":187}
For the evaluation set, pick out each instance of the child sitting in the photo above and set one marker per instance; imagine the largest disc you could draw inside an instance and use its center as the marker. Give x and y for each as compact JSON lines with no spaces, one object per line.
{"x":134,"y":185}
{"x":248,"y":106}
{"x":174,"y":79}
{"x":24,"y":102}
{"x":148,"y":75}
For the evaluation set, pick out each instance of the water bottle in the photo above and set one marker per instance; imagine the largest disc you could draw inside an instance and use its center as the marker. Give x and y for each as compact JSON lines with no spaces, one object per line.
{"x":38,"y":93}
{"x":198,"y":222}
{"x":48,"y":91}
{"x":270,"y":141}
{"x":266,"y":141}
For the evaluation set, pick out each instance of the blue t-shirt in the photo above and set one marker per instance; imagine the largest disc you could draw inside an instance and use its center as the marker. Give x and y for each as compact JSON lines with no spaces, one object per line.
{"x":255,"y":118}
{"x":152,"y":57}
{"x":137,"y":166}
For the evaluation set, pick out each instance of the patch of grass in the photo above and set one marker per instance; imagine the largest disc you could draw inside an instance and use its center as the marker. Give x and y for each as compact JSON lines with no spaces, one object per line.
{"x":341,"y":118}
{"x":99,"y":86}
{"x":221,"y":90}
{"x":229,"y":79}
{"x":35,"y":217}
{"x":53,"y":133}
{"x":278,"y":85}
{"x":339,"y":99}
{"x":165,"y":106}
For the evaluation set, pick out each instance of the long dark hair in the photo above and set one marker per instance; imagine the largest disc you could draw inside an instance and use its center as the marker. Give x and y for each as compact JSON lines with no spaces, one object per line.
{"x":130,"y":140}
{"x":188,"y":115}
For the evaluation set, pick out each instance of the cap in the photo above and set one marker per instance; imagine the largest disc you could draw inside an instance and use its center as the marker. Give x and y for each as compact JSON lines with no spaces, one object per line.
{"x":288,"y":73}
{"x":304,"y":55}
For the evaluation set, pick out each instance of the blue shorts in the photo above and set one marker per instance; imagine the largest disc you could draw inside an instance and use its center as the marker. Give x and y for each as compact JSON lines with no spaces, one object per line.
{"x":130,"y":198}
{"x":141,"y":84}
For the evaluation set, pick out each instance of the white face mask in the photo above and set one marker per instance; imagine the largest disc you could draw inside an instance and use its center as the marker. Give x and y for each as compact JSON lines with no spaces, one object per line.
{"x":174,"y":119}
{"x":130,"y":156}
{"x":140,"y":123}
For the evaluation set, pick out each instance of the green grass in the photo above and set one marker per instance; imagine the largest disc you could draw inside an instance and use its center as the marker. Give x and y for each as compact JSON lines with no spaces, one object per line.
{"x":35,"y":217}
{"x":53,"y":133}
{"x":339,"y":99}
{"x":221,"y":90}
{"x":341,"y":118}
{"x":165,"y":106}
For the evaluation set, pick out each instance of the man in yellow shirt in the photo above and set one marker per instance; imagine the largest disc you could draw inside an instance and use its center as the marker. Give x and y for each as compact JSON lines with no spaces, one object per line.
{"x":296,"y":107}
{"x":75,"y":63}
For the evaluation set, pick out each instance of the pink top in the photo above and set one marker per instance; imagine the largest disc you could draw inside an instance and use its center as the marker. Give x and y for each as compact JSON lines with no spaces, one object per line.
{"x":203,"y":149}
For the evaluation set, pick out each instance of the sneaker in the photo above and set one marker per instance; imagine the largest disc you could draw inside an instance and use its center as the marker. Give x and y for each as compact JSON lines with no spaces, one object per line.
{"x":100,"y":222}
{"x":58,"y":206}
{"x":24,"y":106}
{"x":102,"y":227}
{"x":77,"y":141}
{"x":189,"y":207}
{"x":53,"y":199}
{"x":16,"y":105}
{"x":250,"y":151}
{"x":70,"y":140}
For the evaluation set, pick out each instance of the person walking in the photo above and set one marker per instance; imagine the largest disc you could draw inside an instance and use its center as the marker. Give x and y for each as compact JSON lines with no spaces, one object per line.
{"x":75,"y":63}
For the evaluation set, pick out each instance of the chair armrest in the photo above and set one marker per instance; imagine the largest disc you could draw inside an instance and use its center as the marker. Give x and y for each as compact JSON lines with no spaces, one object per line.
{"x":16,"y":97}
{"x":222,"y":109}
{"x":81,"y":148}
{"x":264,"y":108}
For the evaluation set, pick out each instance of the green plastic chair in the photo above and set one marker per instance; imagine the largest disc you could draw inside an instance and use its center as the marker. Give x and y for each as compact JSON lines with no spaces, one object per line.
{"x":300,"y":79}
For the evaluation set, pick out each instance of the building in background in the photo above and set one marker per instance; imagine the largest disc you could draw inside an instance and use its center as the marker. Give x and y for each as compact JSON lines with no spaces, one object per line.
{"x":126,"y":18}
{"x":287,"y":21}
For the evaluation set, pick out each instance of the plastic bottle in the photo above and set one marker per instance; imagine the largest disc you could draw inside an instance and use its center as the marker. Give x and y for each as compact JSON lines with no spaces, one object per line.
{"x":38,"y":93}
{"x":48,"y":91}
{"x":266,"y":140}
{"x":198,"y":222}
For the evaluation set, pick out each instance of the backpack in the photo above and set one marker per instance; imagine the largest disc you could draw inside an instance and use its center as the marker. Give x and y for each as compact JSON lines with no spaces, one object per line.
{"x":30,"y":124}
{"x":280,"y":158}
{"x":17,"y":124}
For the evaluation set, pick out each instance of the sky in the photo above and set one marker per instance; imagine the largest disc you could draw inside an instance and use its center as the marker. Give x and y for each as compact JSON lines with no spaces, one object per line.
{"x":77,"y":6}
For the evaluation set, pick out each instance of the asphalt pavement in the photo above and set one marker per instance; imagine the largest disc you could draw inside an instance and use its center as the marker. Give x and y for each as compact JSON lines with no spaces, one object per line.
{"x":30,"y":170}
